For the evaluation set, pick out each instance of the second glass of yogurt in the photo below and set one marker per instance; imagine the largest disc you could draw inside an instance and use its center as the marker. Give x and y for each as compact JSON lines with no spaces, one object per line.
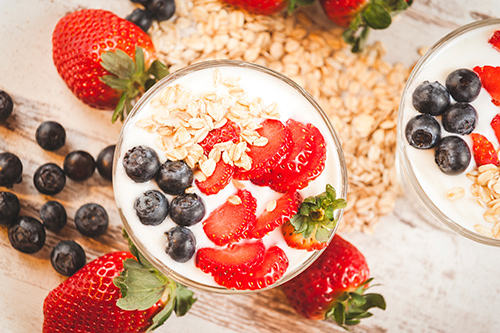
{"x":241,"y":87}
{"x":460,"y":199}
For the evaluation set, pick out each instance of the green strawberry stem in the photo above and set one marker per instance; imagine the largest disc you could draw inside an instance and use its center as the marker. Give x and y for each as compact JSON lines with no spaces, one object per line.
{"x":294,"y":4}
{"x":129,"y":77}
{"x":316,"y":215}
{"x":377,"y":14}
{"x":142,"y":286}
{"x":352,"y":306}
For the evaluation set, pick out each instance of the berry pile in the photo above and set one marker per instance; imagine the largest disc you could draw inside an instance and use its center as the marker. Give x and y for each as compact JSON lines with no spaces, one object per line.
{"x":28,"y":234}
{"x":452,"y":155}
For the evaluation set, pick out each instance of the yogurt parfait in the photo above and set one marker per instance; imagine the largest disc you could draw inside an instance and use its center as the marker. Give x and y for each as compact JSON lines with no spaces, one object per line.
{"x":449,"y":131}
{"x":229,"y":177}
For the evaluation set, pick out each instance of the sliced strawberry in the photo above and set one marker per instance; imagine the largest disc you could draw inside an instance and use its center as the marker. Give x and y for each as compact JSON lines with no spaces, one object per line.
{"x":495,"y":40}
{"x":306,"y":166}
{"x":495,"y":124}
{"x":229,"y":132}
{"x":229,"y":222}
{"x":271,"y":270}
{"x":297,"y":240}
{"x":273,"y":153}
{"x":484,"y":152}
{"x":286,"y":207}
{"x":490,"y":80}
{"x":234,"y":258}
{"x":300,"y":151}
{"x":222,"y":176}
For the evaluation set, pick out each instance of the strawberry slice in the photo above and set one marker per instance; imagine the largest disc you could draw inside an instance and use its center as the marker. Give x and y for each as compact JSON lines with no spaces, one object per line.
{"x":300,"y":151}
{"x":229,"y":132}
{"x":229,"y":222}
{"x":490,"y":80}
{"x":495,"y":40}
{"x":234,"y":258}
{"x":271,"y":270}
{"x":308,"y":163}
{"x":273,"y":153}
{"x":298,"y":241}
{"x":286,"y":207}
{"x":222,"y":176}
{"x":484,"y":152}
{"x":495,"y":124}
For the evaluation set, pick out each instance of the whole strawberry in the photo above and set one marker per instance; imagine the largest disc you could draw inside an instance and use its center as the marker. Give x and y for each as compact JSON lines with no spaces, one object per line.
{"x":89,"y":301}
{"x":358,"y":16}
{"x":102,"y":59}
{"x":334,"y":285}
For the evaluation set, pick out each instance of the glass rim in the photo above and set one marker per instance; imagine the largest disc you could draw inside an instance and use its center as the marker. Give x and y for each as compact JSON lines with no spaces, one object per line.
{"x":406,"y":166}
{"x":341,"y":192}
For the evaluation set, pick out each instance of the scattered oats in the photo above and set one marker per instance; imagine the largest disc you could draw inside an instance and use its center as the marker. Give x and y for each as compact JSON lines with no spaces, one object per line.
{"x":262,"y":141}
{"x":456,"y":193}
{"x":199,"y":176}
{"x":271,"y":205}
{"x":208,"y":167}
{"x":239,"y":185}
{"x":234,"y":199}
{"x":190,"y":189}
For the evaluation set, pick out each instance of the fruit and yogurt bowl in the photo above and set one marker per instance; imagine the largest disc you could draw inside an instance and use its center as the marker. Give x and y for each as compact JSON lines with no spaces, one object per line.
{"x":449,"y":131}
{"x":229,"y":177}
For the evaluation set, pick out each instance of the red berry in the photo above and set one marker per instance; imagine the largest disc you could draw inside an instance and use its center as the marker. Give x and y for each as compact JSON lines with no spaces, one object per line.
{"x":490,"y":80}
{"x":342,"y":12}
{"x":262,"y":7}
{"x":229,"y":132}
{"x":495,"y":40}
{"x":331,"y":282}
{"x":268,"y":156}
{"x":260,"y":276}
{"x":495,"y":125}
{"x":484,"y":152}
{"x":222,"y":176}
{"x":286,"y":207}
{"x":229,"y":222}
{"x":86,"y":302}
{"x":220,"y":262}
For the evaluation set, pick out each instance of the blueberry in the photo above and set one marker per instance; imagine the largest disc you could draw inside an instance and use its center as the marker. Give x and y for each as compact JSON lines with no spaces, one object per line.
{"x":49,"y":179}
{"x":53,"y":216}
{"x":141,"y":164}
{"x":162,"y":9}
{"x":143,"y":18}
{"x":151,"y":207}
{"x":181,"y":244}
{"x":27,"y":234}
{"x":105,"y":162}
{"x":9,"y":208}
{"x":423,"y":132}
{"x":6,"y":105}
{"x":79,"y":165}
{"x":463,"y":85}
{"x":91,"y":220}
{"x":50,"y":135}
{"x":187,"y":209}
{"x":431,"y":98}
{"x":460,"y":118}
{"x":11,"y":169}
{"x":452,"y":155}
{"x":174,"y":177}
{"x":67,"y":257}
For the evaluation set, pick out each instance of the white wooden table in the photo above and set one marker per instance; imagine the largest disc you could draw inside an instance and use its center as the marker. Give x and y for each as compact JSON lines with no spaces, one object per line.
{"x":433,"y":279}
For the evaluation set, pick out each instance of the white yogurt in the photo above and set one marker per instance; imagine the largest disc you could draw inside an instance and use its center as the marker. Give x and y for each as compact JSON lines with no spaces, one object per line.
{"x":256,"y":84}
{"x":469,"y":50}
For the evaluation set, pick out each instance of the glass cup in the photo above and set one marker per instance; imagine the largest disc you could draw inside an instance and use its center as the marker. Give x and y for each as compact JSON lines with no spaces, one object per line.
{"x":193,"y":77}
{"x":465,"y":47}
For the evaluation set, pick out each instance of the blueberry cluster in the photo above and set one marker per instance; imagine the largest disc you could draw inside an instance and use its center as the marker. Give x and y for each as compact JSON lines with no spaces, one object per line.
{"x":159,"y":10}
{"x":142,"y":164}
{"x":432,"y":100}
{"x":27,"y":234}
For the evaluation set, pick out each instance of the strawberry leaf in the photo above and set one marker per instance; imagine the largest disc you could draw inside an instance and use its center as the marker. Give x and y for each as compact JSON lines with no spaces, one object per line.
{"x":158,"y":70}
{"x":184,"y":300}
{"x":115,"y":82}
{"x":376,"y":16}
{"x":118,"y":63}
{"x":141,"y":287}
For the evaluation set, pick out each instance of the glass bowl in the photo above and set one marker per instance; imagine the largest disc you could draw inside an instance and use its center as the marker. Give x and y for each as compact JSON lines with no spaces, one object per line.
{"x":465,"y":47}
{"x":268,"y":83}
